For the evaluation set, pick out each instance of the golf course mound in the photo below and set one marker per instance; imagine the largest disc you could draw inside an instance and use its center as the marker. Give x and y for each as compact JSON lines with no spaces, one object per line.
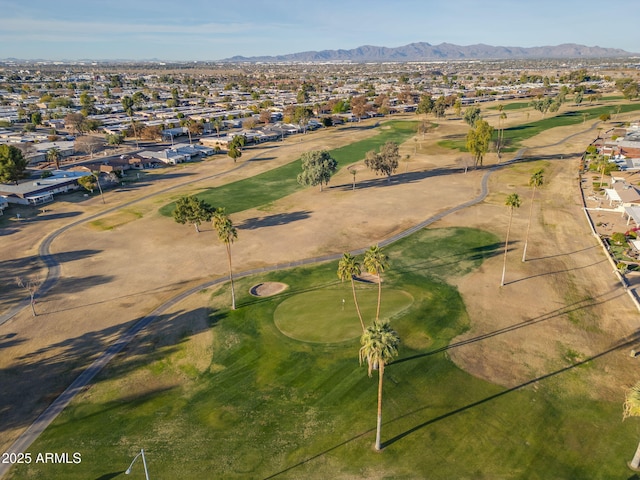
{"x":329,"y":315}
{"x":267,"y":289}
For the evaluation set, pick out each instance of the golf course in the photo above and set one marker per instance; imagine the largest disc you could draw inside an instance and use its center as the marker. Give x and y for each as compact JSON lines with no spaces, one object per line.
{"x":521,"y":381}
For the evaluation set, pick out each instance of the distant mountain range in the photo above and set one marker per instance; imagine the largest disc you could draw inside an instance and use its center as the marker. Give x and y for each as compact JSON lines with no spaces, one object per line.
{"x":422,"y":51}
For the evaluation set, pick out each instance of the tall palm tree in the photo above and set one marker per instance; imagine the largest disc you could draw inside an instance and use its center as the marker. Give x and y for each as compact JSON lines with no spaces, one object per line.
{"x":54,"y":155}
{"x":375,"y":262}
{"x":632,"y":409}
{"x":217,"y":124}
{"x":536,"y":180}
{"x":503,"y":116}
{"x":513,"y":201}
{"x":379,"y":345}
{"x":227,"y":233}
{"x":348,"y":267}
{"x":602,"y":164}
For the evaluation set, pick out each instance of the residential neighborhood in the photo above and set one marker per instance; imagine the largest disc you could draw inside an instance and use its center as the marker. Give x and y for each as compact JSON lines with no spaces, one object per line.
{"x":144,"y":118}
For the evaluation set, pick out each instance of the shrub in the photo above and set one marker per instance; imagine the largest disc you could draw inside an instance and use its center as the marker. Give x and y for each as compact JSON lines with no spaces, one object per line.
{"x":618,"y":238}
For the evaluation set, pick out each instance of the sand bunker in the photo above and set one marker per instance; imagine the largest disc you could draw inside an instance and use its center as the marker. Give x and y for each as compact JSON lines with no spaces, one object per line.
{"x":267,"y":289}
{"x":366,"y":277}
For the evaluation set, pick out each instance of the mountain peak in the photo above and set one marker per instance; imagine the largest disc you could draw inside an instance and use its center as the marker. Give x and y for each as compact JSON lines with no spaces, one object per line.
{"x":423,"y":51}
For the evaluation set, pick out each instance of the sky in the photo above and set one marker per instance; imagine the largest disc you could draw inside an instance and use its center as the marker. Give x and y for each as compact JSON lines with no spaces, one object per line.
{"x":174,"y":30}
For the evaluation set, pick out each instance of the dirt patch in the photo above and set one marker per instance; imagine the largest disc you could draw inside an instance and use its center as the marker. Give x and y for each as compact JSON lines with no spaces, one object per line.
{"x":267,"y":289}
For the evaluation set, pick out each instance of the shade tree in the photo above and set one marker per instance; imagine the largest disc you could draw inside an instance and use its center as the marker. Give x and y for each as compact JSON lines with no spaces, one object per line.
{"x":384,"y":162}
{"x":317,"y":168}
{"x":190,"y":209}
{"x":13,"y":165}
{"x":479,"y":140}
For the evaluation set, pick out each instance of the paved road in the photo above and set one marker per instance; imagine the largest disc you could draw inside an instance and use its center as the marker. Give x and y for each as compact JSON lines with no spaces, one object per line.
{"x":49,"y":415}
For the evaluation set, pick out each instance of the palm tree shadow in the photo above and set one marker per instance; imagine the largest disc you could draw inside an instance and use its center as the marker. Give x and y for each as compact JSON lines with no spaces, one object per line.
{"x":576,"y":306}
{"x":624,"y":343}
{"x":561,"y":254}
{"x":556,"y":272}
{"x":109,"y":476}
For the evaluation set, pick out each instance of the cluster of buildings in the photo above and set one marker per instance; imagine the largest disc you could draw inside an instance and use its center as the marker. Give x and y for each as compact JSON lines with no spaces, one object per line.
{"x":256,"y":101}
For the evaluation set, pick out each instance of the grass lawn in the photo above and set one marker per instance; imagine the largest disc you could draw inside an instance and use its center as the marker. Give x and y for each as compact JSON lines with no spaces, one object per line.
{"x":512,"y":106}
{"x":278,"y":183}
{"x":514,"y":135}
{"x":334,"y":319}
{"x":234,"y":398}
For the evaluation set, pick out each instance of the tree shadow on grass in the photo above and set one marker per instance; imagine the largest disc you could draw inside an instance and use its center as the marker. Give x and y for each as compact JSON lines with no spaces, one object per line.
{"x":434,"y":262}
{"x":36,"y":379}
{"x":622,"y":344}
{"x":274,"y":220}
{"x":565,"y":310}
{"x":109,"y":476}
{"x":561,"y":254}
{"x":544,"y":274}
{"x":618,"y":346}
{"x":28,"y":268}
{"x":398,"y":179}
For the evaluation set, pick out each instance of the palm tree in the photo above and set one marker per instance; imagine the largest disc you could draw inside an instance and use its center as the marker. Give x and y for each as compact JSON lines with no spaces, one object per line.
{"x":217,"y":124}
{"x":602,"y":164}
{"x":632,"y":409}
{"x":353,"y":172}
{"x":227,"y":233}
{"x":54,"y":155}
{"x":96,"y":174}
{"x":348,"y":267}
{"x":375,"y":262}
{"x":513,"y":201}
{"x":536,"y":180}
{"x":503,"y":116}
{"x":379,"y":345}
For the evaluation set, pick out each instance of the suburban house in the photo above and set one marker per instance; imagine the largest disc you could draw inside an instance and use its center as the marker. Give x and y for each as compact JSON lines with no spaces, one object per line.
{"x":622,"y":195}
{"x":120,"y":164}
{"x":168,"y":156}
{"x":42,"y":190}
{"x":193,"y":150}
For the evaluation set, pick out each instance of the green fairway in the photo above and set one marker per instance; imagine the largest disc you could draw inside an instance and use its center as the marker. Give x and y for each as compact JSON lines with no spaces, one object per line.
{"x":514,"y":135}
{"x":274,"y":184}
{"x":237,"y":399}
{"x":329,"y":315}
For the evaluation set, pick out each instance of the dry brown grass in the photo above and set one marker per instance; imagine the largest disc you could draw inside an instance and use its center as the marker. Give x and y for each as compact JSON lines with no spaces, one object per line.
{"x":111,"y":277}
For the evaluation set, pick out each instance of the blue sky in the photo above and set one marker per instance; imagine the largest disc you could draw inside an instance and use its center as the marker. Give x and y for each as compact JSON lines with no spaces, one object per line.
{"x":212,"y":29}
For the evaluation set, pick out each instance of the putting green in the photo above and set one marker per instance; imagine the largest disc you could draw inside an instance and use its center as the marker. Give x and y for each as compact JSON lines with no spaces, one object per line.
{"x":321,"y":316}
